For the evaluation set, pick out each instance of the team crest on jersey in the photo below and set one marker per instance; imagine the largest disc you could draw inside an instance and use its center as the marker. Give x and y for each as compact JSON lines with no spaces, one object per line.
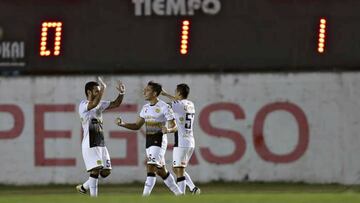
{"x":188,"y":108}
{"x":181,"y":119}
{"x":98,"y":162}
{"x":157,"y":110}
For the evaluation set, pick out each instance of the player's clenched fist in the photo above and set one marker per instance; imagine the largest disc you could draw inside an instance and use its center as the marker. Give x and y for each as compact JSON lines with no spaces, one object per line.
{"x":121,"y":87}
{"x":118,"y":121}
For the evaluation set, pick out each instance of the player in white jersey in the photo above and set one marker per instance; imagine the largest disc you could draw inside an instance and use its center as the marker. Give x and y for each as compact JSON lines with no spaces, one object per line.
{"x":184,"y":110}
{"x":158,"y":118}
{"x":94,"y":151}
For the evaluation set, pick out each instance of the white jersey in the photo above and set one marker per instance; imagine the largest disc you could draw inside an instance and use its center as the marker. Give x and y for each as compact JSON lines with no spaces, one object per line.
{"x":184,"y":115}
{"x":92,"y":124}
{"x":156,"y":117}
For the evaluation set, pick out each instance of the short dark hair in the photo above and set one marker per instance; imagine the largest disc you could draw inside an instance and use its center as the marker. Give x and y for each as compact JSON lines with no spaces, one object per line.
{"x":156,"y":87}
{"x":184,"y":90}
{"x":90,"y":86}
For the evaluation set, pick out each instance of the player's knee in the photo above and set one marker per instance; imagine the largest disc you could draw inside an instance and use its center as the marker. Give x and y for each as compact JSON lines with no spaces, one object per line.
{"x":164,"y":176}
{"x":151,"y":168}
{"x":94,"y":174}
{"x":105,"y":173}
{"x":162,"y":172}
{"x":179,"y":171}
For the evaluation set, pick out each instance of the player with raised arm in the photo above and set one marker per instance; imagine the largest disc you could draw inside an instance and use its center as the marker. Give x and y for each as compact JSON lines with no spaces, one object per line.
{"x":94,"y":151}
{"x":158,"y":118}
{"x":184,"y":145}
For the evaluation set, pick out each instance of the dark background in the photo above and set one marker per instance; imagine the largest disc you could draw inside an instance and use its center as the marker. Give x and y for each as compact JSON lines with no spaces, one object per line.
{"x":247,"y":35}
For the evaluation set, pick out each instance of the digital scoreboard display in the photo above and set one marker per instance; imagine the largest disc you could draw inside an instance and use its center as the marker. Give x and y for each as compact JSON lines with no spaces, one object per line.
{"x":145,"y":36}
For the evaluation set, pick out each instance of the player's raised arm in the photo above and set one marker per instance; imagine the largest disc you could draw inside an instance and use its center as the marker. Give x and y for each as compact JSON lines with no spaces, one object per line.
{"x":131,"y":126}
{"x":116,"y":103}
{"x":172,"y":127}
{"x":96,"y":94}
{"x":164,"y":93}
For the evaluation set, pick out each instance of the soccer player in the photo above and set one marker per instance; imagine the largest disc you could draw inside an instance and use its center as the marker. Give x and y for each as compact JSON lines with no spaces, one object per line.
{"x":159,"y":120}
{"x":94,"y":151}
{"x":184,"y":110}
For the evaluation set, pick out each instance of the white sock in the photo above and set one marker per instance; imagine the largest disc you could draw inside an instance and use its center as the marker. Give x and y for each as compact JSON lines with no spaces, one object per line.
{"x":189,"y":182}
{"x":149,"y":184}
{"x":86,"y":184}
{"x":181,"y":182}
{"x":93,"y":185}
{"x":170,"y":183}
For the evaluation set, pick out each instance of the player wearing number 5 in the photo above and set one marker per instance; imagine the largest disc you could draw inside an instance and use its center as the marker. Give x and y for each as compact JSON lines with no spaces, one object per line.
{"x":184,"y":110}
{"x":94,"y":151}
{"x":156,"y":115}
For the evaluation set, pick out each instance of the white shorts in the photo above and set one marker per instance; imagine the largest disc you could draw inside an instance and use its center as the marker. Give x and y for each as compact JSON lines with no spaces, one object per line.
{"x":181,"y":156}
{"x":155,"y":155}
{"x":96,"y":157}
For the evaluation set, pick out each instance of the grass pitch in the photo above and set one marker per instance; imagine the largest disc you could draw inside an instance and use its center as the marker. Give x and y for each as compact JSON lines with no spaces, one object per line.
{"x":211,"y":193}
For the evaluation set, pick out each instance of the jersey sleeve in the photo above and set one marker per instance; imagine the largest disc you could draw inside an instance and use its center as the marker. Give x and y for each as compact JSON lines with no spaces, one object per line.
{"x":168,"y":112}
{"x":142,"y":112}
{"x":103,"y":105}
{"x":192,"y":107}
{"x":173,"y":105}
{"x":177,"y":106}
{"x":83,"y":111}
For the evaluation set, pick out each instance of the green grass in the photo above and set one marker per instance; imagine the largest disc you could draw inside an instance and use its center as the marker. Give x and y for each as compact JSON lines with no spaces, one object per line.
{"x":211,"y":193}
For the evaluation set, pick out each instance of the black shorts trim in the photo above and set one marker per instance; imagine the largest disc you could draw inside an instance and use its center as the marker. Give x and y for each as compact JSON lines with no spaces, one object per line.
{"x":154,"y":139}
{"x":176,"y":139}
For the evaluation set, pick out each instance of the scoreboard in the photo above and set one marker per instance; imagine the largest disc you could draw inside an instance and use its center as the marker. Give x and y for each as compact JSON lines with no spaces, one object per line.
{"x":148,"y":36}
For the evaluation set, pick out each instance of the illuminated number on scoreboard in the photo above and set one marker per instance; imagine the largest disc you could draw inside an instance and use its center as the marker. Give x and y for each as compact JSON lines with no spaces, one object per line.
{"x":45,"y":49}
{"x":45,"y":30}
{"x":322,"y":35}
{"x":185,"y":30}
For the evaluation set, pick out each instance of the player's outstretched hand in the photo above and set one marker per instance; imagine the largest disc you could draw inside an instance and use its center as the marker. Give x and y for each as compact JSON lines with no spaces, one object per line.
{"x":163,"y":92}
{"x":101,"y":82}
{"x":119,"y":121}
{"x":120,"y":87}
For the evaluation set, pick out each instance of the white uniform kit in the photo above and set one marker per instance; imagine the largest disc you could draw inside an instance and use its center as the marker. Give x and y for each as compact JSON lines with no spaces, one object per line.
{"x":94,"y":151}
{"x":184,"y":111}
{"x":156,"y":117}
